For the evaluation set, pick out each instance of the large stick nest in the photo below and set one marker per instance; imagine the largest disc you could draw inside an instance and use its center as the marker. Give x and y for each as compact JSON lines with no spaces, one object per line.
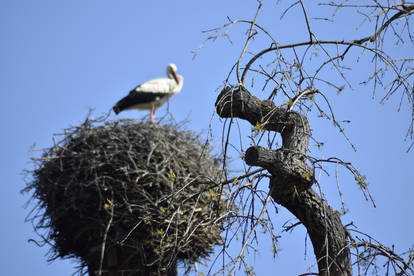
{"x":149,"y":193}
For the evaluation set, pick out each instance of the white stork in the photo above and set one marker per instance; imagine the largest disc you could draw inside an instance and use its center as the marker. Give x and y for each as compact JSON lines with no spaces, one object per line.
{"x":152,"y":94}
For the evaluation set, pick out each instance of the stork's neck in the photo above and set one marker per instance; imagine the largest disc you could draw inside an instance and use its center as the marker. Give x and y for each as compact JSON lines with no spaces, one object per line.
{"x":180,"y":83}
{"x":170,"y":76}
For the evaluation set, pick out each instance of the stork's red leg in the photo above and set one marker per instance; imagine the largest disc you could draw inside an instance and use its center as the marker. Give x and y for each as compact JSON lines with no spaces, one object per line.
{"x":152,"y":114}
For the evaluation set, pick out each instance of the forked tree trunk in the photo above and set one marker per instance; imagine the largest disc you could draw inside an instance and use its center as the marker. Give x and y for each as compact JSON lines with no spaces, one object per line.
{"x":292,"y":178}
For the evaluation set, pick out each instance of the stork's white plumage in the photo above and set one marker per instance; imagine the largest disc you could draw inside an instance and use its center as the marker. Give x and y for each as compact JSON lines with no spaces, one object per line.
{"x":152,"y":94}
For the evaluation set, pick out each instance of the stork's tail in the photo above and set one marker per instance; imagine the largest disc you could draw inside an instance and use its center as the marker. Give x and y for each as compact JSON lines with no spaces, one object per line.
{"x":116,"y":109}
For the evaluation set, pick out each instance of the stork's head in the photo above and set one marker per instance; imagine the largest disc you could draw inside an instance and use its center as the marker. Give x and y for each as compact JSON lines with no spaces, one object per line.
{"x":172,"y":72}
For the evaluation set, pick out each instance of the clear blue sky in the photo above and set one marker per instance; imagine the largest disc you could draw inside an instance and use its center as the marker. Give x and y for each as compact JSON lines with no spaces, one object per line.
{"x":60,"y":58}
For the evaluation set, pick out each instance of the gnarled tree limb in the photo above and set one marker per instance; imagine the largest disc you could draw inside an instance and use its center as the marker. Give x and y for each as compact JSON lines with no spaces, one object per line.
{"x":291,"y":178}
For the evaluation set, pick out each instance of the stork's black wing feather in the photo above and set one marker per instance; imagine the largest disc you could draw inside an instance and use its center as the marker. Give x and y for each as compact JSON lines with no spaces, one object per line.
{"x":135,"y":98}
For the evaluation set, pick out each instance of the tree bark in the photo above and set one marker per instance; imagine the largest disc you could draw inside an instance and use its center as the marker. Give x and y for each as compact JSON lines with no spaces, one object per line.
{"x":292,"y":178}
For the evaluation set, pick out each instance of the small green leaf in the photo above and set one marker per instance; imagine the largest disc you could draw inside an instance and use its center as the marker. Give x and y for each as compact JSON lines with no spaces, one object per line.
{"x":163,"y":210}
{"x":171,"y":176}
{"x":109,"y":205}
{"x":361,"y":180}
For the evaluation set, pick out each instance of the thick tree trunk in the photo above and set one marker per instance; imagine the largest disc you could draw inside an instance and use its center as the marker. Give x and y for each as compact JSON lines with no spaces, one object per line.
{"x":292,"y":178}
